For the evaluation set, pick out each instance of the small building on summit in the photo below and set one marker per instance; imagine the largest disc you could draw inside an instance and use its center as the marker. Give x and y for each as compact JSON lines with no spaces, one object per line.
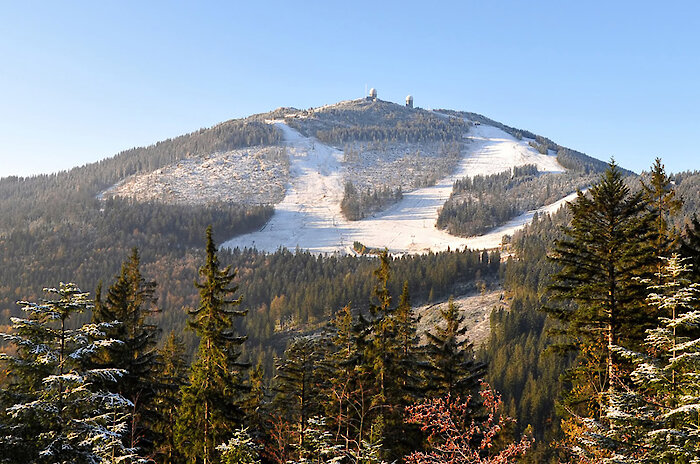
{"x":409,"y":101}
{"x":372,"y":94}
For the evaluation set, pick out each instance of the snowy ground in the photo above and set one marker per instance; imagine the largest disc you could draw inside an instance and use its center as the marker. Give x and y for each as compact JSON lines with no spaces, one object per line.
{"x":309,"y":216}
{"x":252,"y":176}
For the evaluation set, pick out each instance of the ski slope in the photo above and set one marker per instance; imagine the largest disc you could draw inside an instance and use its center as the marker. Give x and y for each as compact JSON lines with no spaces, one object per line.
{"x":309,"y":217}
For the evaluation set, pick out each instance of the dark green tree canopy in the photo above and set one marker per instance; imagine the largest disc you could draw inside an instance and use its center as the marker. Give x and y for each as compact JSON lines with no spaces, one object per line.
{"x":604,"y":258}
{"x":130,"y":302}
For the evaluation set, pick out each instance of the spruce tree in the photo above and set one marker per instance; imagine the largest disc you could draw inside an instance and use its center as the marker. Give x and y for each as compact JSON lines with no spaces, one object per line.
{"x":607,"y":252}
{"x":130,"y":301}
{"x":211,"y":404}
{"x":240,"y":449}
{"x":655,"y":418}
{"x":407,"y":370}
{"x":298,"y":384}
{"x":54,"y":415}
{"x":392,"y":352}
{"x":452,"y":368}
{"x":350,"y":381}
{"x":409,"y":367}
{"x":671,"y":376}
{"x":382,"y":351}
{"x":318,"y":447}
{"x":171,"y":375}
{"x":663,"y":203}
{"x":255,"y":404}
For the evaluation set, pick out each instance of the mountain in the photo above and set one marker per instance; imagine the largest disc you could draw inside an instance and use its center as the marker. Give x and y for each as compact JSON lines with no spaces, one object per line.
{"x":344,"y":179}
{"x":348,"y":177}
{"x":362,"y":171}
{"x":302,"y":200}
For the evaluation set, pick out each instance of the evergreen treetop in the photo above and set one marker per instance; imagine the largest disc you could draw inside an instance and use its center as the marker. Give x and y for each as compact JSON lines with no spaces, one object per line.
{"x":130,"y":301}
{"x":453,"y":369}
{"x":211,"y":405}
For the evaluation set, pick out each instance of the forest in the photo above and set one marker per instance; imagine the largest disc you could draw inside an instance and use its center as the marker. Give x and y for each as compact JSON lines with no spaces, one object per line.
{"x":111,"y":354}
{"x":595,"y":359}
{"x":356,"y":205}
{"x":571,"y":159}
{"x":126,"y":396}
{"x":480,"y":203}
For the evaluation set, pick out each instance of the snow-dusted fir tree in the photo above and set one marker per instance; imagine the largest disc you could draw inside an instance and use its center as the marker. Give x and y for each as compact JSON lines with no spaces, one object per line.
{"x":52,"y":413}
{"x":657,"y":418}
{"x":319,"y":446}
{"x":240,"y":449}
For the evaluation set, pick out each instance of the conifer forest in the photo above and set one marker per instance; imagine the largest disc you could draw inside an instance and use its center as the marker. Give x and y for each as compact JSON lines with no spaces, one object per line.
{"x":595,"y":358}
{"x":458,"y":232}
{"x":128,"y":334}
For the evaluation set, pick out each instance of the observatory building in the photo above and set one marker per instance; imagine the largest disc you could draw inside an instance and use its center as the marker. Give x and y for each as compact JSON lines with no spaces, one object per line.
{"x":372,"y":94}
{"x":409,"y":101}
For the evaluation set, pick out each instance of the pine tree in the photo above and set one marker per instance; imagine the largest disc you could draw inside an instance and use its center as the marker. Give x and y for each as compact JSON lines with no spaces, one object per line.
{"x":130,"y":301}
{"x":607,"y":252}
{"x":55,"y":416}
{"x":240,"y":449}
{"x":318,"y":447}
{"x":170,"y":376}
{"x":409,"y":367}
{"x":406,"y":370}
{"x":453,"y":369}
{"x":383,"y":351}
{"x":211,"y":404}
{"x":393,"y":351}
{"x":255,"y":406}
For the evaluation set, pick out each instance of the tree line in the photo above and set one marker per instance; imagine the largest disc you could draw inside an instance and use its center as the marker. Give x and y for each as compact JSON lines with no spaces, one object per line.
{"x":55,"y":222}
{"x":571,"y":159}
{"x":372,"y":121}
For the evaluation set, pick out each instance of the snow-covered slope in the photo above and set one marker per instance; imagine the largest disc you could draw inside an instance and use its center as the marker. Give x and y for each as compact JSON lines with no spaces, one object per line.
{"x":309,"y":216}
{"x":251,"y":176}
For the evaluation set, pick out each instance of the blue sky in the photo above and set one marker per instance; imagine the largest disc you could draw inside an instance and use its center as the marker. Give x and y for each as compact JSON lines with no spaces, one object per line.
{"x":80,"y":81}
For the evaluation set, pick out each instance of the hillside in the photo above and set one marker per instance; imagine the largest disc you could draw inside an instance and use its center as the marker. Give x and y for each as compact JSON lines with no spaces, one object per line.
{"x":267,"y":181}
{"x":366,"y":171}
{"x":274,"y":188}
